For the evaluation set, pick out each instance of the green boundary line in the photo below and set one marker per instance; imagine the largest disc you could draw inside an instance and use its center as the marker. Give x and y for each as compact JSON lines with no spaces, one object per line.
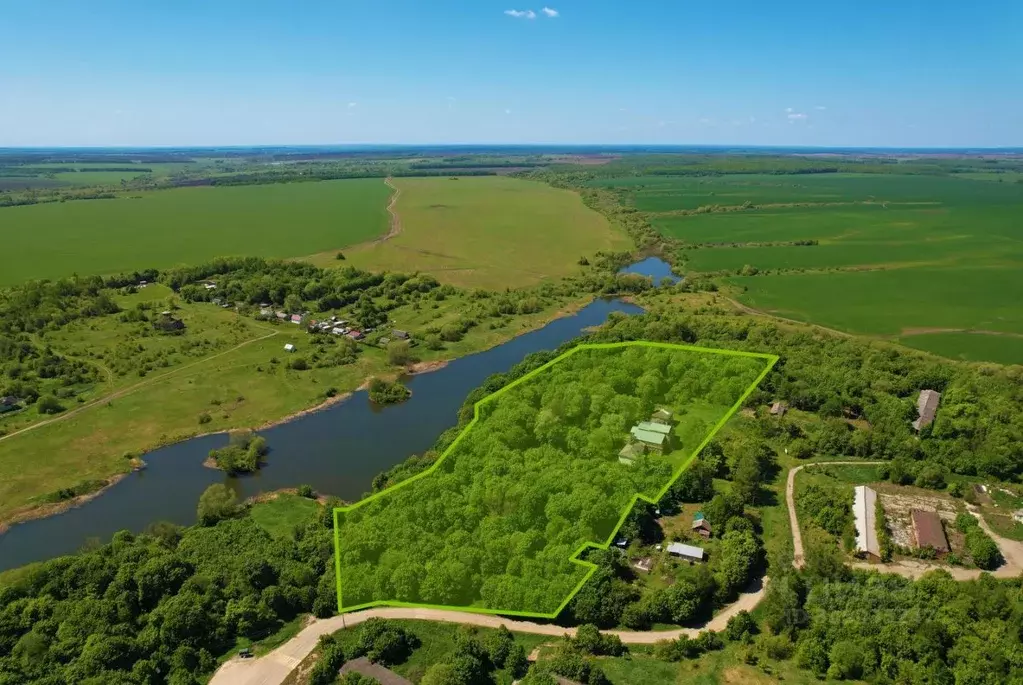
{"x":772,"y":359}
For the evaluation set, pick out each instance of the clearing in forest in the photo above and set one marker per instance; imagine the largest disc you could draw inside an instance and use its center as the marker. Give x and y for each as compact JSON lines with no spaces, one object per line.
{"x":549,"y":466}
{"x":487,"y":231}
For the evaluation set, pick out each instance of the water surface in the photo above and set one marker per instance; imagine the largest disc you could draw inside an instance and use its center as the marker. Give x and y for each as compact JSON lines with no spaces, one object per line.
{"x":655,"y":268}
{"x":337,"y":451}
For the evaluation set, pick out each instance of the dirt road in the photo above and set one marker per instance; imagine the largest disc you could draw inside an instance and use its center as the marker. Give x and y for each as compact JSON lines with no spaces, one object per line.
{"x":273,"y":668}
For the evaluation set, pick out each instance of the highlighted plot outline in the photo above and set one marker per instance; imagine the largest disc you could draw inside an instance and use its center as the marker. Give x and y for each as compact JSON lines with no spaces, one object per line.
{"x":770,"y":360}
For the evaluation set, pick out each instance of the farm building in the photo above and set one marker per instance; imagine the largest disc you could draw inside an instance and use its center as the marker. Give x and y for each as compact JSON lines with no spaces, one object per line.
{"x":356,"y":335}
{"x":289,"y":348}
{"x":865,"y":515}
{"x":380,"y":674}
{"x":926,"y":406}
{"x":399,"y":335}
{"x":677,"y":549}
{"x":652,"y":439}
{"x":701,"y":526}
{"x":928,"y":531}
{"x":296,"y":318}
{"x":630,"y":453}
{"x":661,"y":415}
{"x":779,"y":409}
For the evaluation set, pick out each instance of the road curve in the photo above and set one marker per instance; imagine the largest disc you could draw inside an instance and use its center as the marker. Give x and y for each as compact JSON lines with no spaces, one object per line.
{"x":274,"y":667}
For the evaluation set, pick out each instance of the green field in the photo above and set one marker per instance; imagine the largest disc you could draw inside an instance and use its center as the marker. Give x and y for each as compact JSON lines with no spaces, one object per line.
{"x":891,"y":301}
{"x":974,"y":347}
{"x":892,"y":253}
{"x":188,"y":226}
{"x":500,"y":520}
{"x":491,"y":232}
{"x":281,"y":515}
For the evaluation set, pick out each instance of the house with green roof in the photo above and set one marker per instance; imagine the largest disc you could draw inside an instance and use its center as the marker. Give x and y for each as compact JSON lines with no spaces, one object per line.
{"x":654,"y":440}
{"x":631,"y":452}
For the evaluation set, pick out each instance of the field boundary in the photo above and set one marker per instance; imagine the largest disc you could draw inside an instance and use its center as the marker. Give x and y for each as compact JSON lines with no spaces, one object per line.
{"x":771,"y":360}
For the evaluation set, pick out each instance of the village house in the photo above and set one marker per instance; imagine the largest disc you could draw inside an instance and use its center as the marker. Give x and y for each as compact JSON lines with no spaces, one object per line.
{"x":380,"y":674}
{"x":865,"y":517}
{"x":281,"y":315}
{"x":687,"y":552}
{"x":926,"y":406}
{"x":210,"y":286}
{"x":661,"y":415}
{"x":296,"y":318}
{"x":630,"y":453}
{"x":266,"y":312}
{"x":337,"y":331}
{"x":399,"y":335}
{"x":779,"y":409}
{"x":928,"y":531}
{"x":656,"y":436}
{"x":289,"y":348}
{"x":701,"y":526}
{"x":356,"y":335}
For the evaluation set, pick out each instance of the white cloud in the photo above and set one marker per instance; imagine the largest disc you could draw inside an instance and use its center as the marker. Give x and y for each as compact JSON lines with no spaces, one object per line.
{"x":752,"y":120}
{"x":521,"y":14}
{"x":820,"y":108}
{"x":550,"y":12}
{"x":707,"y":122}
{"x":352,"y":104}
{"x":797,"y":116}
{"x":789,"y":109}
{"x":507,"y":111}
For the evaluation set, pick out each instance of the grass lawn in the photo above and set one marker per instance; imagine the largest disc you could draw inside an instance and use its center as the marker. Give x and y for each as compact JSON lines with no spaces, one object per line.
{"x":489,"y":232}
{"x":188,"y":226}
{"x":227,"y":385}
{"x":282,"y":514}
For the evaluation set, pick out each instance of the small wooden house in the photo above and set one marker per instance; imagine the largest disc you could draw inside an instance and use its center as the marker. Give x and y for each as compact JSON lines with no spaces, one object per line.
{"x":662,"y":415}
{"x":701,"y":527}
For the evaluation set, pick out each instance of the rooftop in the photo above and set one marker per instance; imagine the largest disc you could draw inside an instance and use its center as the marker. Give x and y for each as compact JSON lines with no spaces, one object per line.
{"x":926,"y":407}
{"x":928,"y":530}
{"x":654,"y":427}
{"x":647,"y":436}
{"x":865,"y":513}
{"x":685,"y":550}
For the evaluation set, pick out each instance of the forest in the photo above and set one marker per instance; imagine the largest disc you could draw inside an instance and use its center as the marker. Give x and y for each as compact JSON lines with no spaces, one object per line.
{"x":534,"y":479}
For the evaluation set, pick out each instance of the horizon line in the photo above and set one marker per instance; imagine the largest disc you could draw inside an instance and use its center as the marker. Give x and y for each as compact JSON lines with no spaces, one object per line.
{"x":381,"y":145}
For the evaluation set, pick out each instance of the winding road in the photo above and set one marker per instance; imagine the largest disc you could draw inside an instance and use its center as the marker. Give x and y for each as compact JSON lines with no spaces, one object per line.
{"x":274,"y":668}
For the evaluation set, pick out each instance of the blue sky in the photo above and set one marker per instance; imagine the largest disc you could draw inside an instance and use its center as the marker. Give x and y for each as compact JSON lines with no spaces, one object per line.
{"x":753,"y":72}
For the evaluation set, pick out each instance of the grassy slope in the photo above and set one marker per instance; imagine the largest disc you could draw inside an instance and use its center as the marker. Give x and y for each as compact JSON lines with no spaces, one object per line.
{"x":91,"y":444}
{"x":189,"y":225}
{"x":491,"y":232}
{"x":282,"y":514}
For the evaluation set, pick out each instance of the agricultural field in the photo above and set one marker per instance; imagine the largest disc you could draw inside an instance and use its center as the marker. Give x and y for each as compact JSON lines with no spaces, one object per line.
{"x":879,"y":254}
{"x":536,"y":478}
{"x":188,"y":226}
{"x":489,"y":232}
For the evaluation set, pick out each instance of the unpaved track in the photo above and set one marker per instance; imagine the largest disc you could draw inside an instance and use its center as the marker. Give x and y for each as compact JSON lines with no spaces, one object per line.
{"x":131,"y":388}
{"x":273,"y":668}
{"x":393,"y":211}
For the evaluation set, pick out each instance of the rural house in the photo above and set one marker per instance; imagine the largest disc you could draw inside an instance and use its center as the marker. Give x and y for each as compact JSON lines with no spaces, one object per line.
{"x":701,"y":526}
{"x":380,"y":674}
{"x":289,"y":348}
{"x":926,"y":406}
{"x":928,"y":531}
{"x":779,"y":409}
{"x":651,"y":439}
{"x":399,"y":335}
{"x":661,"y":415}
{"x":688,"y":552}
{"x":865,"y":516}
{"x":630,"y":453}
{"x":296,"y":318}
{"x":356,"y":335}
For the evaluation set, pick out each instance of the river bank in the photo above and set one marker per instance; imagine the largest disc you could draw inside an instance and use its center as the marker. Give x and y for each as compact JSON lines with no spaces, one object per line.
{"x":337,"y":449}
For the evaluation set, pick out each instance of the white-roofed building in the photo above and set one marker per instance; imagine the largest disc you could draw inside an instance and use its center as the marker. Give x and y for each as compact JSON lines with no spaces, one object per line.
{"x":865,"y":515}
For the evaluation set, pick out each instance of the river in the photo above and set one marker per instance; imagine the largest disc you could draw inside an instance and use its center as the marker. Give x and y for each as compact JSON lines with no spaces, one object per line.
{"x":337,"y":451}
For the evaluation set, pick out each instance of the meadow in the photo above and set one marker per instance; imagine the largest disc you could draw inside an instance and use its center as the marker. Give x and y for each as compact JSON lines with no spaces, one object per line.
{"x":889,"y":253}
{"x":489,"y":232}
{"x":188,"y":226}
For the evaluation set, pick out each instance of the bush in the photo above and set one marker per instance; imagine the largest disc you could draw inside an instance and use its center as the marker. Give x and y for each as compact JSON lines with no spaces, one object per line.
{"x":741,"y":627}
{"x":217,"y":502}
{"x":243,"y":454}
{"x":385,"y":392}
{"x":205,"y":418}
{"x":299,"y":364}
{"x":339,"y":256}
{"x":777,"y":647}
{"x":306,"y":491}
{"x":399,"y":353}
{"x":48,"y":404}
